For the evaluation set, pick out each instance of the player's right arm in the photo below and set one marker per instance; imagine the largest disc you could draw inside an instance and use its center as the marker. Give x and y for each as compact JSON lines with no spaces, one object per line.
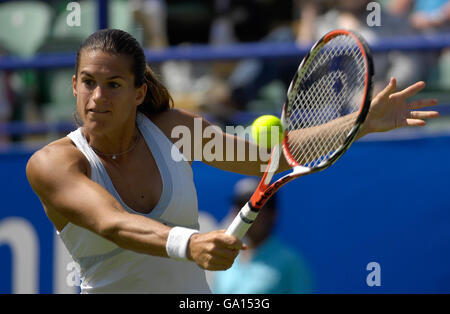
{"x":58,"y":174}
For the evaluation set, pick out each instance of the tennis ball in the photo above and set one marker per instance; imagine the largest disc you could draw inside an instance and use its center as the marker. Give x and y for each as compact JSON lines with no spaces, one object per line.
{"x":262,"y":129}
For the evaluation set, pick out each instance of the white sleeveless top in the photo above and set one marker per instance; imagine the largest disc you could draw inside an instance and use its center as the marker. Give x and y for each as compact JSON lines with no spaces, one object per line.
{"x":107,"y":268}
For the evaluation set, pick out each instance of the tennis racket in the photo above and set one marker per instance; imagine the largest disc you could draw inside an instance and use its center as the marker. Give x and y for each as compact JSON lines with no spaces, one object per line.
{"x":326,"y":105}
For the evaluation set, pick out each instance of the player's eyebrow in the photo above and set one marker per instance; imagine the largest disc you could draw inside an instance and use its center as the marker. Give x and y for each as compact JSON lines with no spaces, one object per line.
{"x":108,"y":78}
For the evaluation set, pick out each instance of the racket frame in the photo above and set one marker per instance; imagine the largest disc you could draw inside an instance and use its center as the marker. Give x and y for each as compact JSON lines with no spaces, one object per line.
{"x":264,"y":191}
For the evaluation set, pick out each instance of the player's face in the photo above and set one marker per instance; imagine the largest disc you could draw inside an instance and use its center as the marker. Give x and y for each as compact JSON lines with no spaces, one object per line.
{"x":104,"y":87}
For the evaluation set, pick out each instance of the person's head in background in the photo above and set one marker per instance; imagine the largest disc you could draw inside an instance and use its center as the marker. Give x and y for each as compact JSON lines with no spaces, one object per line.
{"x":265,"y":221}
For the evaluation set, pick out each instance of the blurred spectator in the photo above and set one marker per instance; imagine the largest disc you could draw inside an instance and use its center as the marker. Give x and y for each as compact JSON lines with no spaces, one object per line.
{"x":189,"y":21}
{"x":424,"y":15}
{"x":8,"y":100}
{"x":253,"y":20}
{"x":260,"y":85}
{"x":222,"y":28}
{"x":200,"y":86}
{"x":152,"y":16}
{"x":306,"y":26}
{"x":172,"y":23}
{"x":5,"y":103}
{"x":407,"y":68}
{"x":429,"y":17}
{"x":268,"y":265}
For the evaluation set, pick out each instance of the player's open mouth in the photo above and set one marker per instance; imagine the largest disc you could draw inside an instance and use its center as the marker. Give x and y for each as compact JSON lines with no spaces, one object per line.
{"x":98,"y":111}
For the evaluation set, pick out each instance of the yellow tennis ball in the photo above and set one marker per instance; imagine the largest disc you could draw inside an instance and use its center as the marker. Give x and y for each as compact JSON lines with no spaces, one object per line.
{"x":267,"y":131}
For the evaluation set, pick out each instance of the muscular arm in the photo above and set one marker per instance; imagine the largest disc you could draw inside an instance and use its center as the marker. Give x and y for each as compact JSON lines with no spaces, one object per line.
{"x":209,"y":144}
{"x":236,"y":154}
{"x":59,"y":177}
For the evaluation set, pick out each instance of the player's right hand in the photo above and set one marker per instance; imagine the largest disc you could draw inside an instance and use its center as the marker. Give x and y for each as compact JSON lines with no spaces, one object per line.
{"x":214,"y":250}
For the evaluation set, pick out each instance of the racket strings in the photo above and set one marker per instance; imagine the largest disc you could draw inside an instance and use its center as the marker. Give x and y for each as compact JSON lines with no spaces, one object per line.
{"x":329,"y":137}
{"x":322,"y":105}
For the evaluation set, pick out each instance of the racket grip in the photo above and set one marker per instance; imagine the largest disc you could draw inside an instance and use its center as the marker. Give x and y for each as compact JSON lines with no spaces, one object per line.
{"x":242,"y":222}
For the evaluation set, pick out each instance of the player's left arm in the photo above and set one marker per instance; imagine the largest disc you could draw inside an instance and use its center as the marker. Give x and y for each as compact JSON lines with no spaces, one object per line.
{"x":238,"y":154}
{"x":206,"y":142}
{"x":391,"y":110}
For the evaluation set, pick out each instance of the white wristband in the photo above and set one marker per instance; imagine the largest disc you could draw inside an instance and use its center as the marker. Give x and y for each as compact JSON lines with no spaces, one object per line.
{"x":177,"y":242}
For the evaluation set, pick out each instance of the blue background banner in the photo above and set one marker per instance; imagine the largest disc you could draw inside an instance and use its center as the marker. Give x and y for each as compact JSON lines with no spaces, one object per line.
{"x":384,"y":201}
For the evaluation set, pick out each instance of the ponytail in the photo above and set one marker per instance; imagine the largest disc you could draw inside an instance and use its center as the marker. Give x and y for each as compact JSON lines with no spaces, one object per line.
{"x":157,"y":98}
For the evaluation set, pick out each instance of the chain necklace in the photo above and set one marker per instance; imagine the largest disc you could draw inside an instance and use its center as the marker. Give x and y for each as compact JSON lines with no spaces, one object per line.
{"x":114,"y":156}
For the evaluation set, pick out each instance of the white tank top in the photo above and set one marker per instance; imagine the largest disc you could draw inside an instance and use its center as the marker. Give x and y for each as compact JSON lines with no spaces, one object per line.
{"x":107,"y":268}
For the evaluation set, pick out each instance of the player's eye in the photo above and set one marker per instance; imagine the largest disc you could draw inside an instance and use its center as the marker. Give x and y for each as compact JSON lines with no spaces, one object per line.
{"x":113,"y":84}
{"x":88,"y":82}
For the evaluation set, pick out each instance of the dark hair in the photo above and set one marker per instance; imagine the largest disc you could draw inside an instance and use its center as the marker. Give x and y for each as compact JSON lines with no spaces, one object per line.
{"x":119,"y":42}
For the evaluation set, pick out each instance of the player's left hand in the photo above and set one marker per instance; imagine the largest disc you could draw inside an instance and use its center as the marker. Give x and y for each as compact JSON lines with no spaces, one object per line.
{"x":390,"y":110}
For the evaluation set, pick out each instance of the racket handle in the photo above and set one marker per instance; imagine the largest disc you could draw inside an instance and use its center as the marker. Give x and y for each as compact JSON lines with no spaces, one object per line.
{"x":242,"y":222}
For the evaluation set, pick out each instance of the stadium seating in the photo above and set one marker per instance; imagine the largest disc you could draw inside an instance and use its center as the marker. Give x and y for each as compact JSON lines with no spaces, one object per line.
{"x":444,"y":66}
{"x":119,"y":17}
{"x":60,"y":103}
{"x":25,"y":26}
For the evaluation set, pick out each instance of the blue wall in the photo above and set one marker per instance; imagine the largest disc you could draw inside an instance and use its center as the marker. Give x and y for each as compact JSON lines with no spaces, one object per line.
{"x":384,"y":202}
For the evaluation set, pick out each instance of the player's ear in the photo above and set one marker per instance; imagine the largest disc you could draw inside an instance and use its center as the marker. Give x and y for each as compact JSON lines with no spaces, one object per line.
{"x":74,"y":85}
{"x":141,"y":92}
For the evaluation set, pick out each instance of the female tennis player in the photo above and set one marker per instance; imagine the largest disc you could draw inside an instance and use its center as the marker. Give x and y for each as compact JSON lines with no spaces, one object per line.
{"x":125,"y":209}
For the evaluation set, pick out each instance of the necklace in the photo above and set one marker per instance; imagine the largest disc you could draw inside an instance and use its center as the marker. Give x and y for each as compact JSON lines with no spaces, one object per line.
{"x":114,"y":156}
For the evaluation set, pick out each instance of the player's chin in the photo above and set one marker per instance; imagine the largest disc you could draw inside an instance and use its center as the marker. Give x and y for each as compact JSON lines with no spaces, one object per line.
{"x":96,"y":125}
